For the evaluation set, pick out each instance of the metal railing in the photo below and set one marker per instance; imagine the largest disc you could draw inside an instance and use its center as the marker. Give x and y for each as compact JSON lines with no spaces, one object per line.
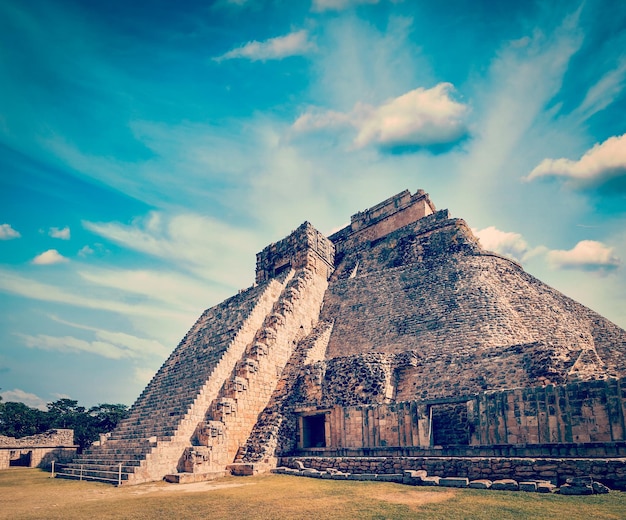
{"x":78,"y":471}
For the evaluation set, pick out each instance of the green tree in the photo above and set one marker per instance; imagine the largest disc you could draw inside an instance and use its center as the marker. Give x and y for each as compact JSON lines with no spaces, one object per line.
{"x":19,"y":420}
{"x":108,"y":416}
{"x":64,"y":412}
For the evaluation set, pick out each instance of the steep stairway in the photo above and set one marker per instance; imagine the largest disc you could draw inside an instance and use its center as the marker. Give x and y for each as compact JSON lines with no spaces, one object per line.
{"x":245,"y":394}
{"x":150,"y":442}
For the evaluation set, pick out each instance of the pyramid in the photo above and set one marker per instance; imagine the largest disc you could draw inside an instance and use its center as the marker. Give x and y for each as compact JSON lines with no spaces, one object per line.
{"x":397,"y":332}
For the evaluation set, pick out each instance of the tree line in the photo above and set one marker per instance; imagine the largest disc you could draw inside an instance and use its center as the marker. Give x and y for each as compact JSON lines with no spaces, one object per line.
{"x":19,"y":420}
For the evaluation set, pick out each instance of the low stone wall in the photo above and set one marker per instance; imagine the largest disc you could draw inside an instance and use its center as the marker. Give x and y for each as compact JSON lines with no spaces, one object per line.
{"x":60,"y":437}
{"x":38,"y":450}
{"x":583,"y":450}
{"x":610,"y":472}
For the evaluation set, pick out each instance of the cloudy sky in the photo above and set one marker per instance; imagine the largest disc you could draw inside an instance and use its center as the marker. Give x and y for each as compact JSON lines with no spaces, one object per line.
{"x":149,"y":149}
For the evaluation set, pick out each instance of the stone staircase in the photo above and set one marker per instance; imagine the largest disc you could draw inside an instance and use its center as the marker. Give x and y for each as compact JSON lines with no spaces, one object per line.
{"x":150,"y":442}
{"x":277,"y":422}
{"x":244,"y":395}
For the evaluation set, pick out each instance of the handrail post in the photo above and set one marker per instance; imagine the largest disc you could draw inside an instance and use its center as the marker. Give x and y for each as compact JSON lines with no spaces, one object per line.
{"x":52,"y":469}
{"x":119,"y":475}
{"x":81,"y":472}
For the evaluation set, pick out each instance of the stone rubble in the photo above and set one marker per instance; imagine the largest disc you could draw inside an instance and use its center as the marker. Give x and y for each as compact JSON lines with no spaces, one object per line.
{"x":573,"y":486}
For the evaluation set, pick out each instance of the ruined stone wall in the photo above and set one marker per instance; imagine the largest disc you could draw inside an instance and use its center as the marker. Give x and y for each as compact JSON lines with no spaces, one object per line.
{"x":40,"y":450}
{"x":305,"y":247}
{"x":58,"y":437}
{"x":383,"y":218}
{"x":429,"y":291}
{"x":611,"y":472}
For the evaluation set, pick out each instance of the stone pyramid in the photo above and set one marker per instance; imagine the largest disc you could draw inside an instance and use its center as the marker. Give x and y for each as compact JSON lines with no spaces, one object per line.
{"x":399,"y":310}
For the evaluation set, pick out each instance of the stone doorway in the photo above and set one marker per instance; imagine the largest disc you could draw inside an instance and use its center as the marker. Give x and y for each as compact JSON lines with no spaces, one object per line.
{"x":450,"y":424}
{"x":314,"y":431}
{"x":20,"y":458}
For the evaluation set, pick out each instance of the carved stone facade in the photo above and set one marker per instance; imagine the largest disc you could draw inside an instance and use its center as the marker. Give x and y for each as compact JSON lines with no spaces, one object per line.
{"x":397,"y":336}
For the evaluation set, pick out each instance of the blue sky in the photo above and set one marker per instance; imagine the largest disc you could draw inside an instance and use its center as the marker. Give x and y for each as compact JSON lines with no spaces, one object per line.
{"x":148,"y":151}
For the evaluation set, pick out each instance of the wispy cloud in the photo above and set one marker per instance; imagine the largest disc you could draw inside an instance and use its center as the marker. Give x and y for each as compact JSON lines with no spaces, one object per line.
{"x":183,"y":292}
{"x":587,"y":255}
{"x":193,"y":241}
{"x":62,"y":233}
{"x":19,"y":396}
{"x":49,"y":257}
{"x":421,"y":118}
{"x":604,"y":92}
{"x":85,"y":251}
{"x":129,"y":345}
{"x":292,"y":44}
{"x":338,"y":5}
{"x":117,"y":345}
{"x":8,"y":233}
{"x":602,"y":167}
{"x":510,"y":103}
{"x":14,"y":283}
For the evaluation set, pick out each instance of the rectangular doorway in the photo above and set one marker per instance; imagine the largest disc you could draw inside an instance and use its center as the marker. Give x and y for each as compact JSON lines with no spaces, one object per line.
{"x":314,"y":431}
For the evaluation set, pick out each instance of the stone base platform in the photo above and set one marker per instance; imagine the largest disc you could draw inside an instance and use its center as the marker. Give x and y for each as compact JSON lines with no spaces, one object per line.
{"x":187,"y":478}
{"x":246,"y":469}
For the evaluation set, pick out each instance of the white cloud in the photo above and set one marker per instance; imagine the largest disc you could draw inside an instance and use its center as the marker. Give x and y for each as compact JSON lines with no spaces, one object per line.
{"x":111,"y":345}
{"x":143,"y":375}
{"x":208,"y":247}
{"x":338,"y":5}
{"x":604,"y":92}
{"x":85,"y":251}
{"x":19,"y":396}
{"x":7,"y":232}
{"x":29,"y":288}
{"x":602,"y":165}
{"x":49,"y":257}
{"x":587,"y":255}
{"x":421,"y":117}
{"x":62,"y":233}
{"x":505,"y":243}
{"x":70,"y":344}
{"x":141,"y":347}
{"x":293,"y":44}
{"x":176,"y":289}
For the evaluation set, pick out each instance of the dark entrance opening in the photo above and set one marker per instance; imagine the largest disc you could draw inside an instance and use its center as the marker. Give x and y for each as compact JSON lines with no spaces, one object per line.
{"x":20,"y":458}
{"x":450,"y":425}
{"x":281,"y":269}
{"x":314,"y":431}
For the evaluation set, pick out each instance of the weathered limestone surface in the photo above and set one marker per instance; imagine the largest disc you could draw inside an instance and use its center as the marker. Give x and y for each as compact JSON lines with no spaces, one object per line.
{"x":429,"y":291}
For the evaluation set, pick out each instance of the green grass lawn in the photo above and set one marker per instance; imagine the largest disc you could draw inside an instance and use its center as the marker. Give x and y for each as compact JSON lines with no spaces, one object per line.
{"x":30,"y":493}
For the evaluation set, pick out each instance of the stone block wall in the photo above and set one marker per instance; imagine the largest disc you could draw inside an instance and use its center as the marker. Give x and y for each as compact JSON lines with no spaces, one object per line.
{"x":305,"y":247}
{"x":38,"y":450}
{"x":384,"y":218}
{"x":58,"y":437}
{"x":584,"y":412}
{"x":429,"y":292}
{"x":611,"y":472}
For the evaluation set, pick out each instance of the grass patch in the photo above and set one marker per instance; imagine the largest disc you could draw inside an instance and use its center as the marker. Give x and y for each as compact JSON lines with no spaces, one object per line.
{"x":31,"y":494}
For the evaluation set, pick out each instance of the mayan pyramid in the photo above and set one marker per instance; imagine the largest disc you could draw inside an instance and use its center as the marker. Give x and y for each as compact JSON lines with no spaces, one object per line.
{"x":391,"y":319}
